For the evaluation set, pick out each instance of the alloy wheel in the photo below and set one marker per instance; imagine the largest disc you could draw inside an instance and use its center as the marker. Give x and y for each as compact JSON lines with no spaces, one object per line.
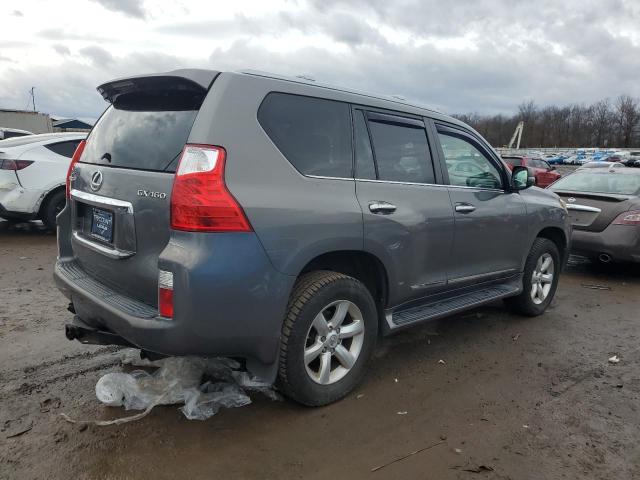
{"x":334,"y":342}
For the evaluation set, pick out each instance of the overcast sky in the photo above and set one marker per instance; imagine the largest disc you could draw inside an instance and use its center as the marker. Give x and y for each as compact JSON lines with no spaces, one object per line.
{"x":457,"y":56}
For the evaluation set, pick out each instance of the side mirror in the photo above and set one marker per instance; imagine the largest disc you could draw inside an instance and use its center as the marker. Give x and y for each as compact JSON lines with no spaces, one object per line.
{"x":521,"y":178}
{"x":552,"y":168}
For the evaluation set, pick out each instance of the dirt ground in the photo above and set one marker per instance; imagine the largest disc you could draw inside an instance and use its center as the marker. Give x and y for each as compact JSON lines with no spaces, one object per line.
{"x":516,"y":398}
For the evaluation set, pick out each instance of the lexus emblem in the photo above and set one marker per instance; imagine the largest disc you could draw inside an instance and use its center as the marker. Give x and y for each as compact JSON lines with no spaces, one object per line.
{"x":96,"y":181}
{"x":571,"y":199}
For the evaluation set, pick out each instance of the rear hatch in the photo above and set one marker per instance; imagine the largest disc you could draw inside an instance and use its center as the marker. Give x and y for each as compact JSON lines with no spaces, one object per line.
{"x":121,"y":187}
{"x":593,"y":212}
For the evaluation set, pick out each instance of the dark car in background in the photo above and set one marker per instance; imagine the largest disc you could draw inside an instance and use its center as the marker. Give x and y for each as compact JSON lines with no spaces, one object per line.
{"x":544,"y":173}
{"x":605,"y":212}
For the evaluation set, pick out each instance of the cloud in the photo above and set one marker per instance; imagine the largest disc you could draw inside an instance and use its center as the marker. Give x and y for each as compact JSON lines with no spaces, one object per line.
{"x":132,"y":8}
{"x":67,"y":34}
{"x":61,"y":49}
{"x":482,"y":56}
{"x":97,"y":55}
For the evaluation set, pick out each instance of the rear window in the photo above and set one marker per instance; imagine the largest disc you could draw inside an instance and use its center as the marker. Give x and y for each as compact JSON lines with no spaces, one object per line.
{"x":145,"y":132}
{"x":596,"y":182}
{"x":9,"y":134}
{"x":312,"y":133}
{"x":515,"y":161}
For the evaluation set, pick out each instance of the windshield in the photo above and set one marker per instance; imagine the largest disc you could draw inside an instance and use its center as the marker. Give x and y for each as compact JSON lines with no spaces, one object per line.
{"x":605,"y":182}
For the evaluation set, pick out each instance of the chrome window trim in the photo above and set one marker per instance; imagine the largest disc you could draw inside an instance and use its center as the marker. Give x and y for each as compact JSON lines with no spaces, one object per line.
{"x":100,"y":200}
{"x":109,"y":252}
{"x":583,"y":208}
{"x":430,"y":185}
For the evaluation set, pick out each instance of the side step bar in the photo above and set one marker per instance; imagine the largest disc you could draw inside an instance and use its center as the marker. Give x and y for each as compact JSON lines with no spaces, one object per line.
{"x":442,"y":308}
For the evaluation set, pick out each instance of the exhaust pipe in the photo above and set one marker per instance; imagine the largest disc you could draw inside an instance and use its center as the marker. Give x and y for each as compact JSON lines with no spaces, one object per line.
{"x":72,"y":332}
{"x":604,"y":258}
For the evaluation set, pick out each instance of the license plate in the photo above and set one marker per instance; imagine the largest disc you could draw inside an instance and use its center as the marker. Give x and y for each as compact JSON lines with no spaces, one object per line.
{"x":102,"y":225}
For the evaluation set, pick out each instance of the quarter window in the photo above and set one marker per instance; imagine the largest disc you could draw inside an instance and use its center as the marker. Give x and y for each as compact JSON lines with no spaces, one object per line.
{"x":65,"y":149}
{"x":467,"y":165}
{"x":312,"y":133}
{"x":401,"y":152}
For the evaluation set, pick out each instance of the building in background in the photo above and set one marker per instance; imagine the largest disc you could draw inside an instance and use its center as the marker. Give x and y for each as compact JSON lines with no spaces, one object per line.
{"x":70,"y":125}
{"x":35,"y":122}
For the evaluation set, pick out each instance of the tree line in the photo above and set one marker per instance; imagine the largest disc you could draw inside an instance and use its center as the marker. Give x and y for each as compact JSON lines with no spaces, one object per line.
{"x":604,"y":124}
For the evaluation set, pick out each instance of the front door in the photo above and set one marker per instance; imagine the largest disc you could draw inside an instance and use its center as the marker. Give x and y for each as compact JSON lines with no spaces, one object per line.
{"x":408,"y":217}
{"x":489,"y":230}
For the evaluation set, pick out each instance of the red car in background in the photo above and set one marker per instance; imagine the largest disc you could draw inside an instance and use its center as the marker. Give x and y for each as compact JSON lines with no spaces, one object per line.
{"x":545,"y":174}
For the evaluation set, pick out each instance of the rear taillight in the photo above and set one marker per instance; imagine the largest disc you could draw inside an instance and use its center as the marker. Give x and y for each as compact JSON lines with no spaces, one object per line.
{"x":165,"y":294}
{"x":632,"y":217}
{"x":75,"y":159}
{"x":14,"y":164}
{"x":200,"y":200}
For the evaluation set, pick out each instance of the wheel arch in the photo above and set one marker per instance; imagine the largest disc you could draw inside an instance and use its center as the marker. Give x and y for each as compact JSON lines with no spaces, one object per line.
{"x":47,"y":196}
{"x":557,"y":236}
{"x":363,"y":266}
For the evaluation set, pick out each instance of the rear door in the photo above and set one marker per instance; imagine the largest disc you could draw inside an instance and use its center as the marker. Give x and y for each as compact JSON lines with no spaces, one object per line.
{"x":121,"y":187}
{"x":490,"y":232}
{"x":408,"y":218}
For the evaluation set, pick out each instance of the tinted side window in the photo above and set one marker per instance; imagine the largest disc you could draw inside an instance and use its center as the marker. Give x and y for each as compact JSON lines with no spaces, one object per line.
{"x":14,"y":134}
{"x":65,"y":149}
{"x":312,"y":133}
{"x":365,"y":167}
{"x":401,"y":153}
{"x":467,"y":165}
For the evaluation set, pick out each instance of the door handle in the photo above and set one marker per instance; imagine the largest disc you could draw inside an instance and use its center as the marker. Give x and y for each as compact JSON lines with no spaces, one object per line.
{"x":464,"y":208}
{"x":384,"y":208}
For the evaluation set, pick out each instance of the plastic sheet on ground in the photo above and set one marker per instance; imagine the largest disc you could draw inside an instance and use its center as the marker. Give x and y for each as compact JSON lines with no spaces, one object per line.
{"x":202,"y":385}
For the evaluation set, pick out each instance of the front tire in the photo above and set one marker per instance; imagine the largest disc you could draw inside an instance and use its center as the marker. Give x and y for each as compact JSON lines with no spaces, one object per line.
{"x":327,"y":338}
{"x":540,"y":281}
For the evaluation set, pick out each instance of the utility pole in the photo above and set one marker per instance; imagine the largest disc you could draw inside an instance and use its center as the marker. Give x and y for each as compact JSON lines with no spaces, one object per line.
{"x":33,"y":97}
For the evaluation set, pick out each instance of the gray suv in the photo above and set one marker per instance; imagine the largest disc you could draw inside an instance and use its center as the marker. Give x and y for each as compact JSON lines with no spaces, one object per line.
{"x":290,"y":224}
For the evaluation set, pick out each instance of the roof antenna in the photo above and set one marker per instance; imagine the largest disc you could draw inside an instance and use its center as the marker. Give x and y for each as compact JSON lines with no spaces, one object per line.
{"x":33,"y":97}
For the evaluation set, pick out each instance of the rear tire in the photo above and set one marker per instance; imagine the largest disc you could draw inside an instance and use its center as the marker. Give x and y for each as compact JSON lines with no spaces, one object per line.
{"x":53,"y":206}
{"x":328,"y":337}
{"x":540,"y":281}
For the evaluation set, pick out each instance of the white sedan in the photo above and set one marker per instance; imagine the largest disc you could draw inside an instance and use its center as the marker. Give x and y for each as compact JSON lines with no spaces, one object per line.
{"x":33,"y":172}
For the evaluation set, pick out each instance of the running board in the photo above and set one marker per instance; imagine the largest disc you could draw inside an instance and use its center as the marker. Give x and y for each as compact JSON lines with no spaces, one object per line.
{"x":442,"y":308}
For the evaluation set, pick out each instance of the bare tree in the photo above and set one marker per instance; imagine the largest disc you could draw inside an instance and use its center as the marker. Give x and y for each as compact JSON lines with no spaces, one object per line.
{"x":628,"y":116}
{"x":597,"y":125}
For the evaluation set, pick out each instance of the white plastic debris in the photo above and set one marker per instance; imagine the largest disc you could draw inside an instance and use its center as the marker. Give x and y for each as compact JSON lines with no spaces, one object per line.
{"x":441,"y":362}
{"x":404,"y":412}
{"x":615,"y":359}
{"x":202,"y":385}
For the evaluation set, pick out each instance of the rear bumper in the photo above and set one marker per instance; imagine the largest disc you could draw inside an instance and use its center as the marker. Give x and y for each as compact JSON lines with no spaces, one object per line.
{"x":620,"y":242}
{"x":16,"y":201}
{"x":228,"y":301}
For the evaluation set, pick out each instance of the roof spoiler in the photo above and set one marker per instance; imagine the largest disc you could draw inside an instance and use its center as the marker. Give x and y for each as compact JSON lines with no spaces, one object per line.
{"x":187,"y":80}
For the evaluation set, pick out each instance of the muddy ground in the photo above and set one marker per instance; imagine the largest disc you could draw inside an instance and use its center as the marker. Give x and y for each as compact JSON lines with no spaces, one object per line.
{"x":516,"y":398}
